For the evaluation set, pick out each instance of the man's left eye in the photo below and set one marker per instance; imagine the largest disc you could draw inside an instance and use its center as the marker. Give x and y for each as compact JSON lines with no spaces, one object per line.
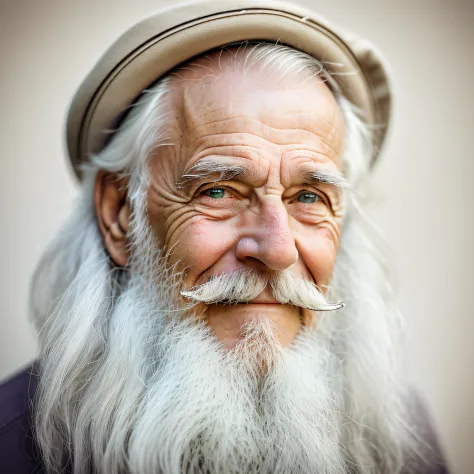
{"x":308,"y":198}
{"x":215,"y":193}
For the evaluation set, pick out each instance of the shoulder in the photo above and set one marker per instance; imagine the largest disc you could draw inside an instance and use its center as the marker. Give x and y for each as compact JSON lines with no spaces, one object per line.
{"x":16,"y":393}
{"x":17,"y":448}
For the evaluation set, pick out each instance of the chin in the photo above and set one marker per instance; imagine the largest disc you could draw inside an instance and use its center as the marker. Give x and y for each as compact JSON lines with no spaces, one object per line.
{"x":229,"y":322}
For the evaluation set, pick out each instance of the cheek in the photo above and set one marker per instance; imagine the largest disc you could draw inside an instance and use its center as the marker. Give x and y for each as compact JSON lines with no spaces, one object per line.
{"x":199,"y":243}
{"x":318,"y":249}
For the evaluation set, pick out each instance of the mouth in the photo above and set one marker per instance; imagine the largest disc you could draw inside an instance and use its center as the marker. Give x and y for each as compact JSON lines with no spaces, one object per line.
{"x":260,"y":304}
{"x":264,"y":298}
{"x":254,"y":302}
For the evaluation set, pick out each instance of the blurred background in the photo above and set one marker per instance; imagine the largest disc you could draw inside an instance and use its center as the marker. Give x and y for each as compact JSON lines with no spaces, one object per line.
{"x":424,"y":180}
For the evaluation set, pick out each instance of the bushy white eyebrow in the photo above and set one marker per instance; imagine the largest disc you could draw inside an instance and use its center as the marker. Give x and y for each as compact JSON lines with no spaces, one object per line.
{"x":334,"y":178}
{"x":205,"y":168}
{"x":227,"y":172}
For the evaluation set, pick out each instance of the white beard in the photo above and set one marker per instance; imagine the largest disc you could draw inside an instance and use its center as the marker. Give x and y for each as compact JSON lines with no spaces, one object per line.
{"x":129,"y":385}
{"x":256,"y":408}
{"x":191,"y":406}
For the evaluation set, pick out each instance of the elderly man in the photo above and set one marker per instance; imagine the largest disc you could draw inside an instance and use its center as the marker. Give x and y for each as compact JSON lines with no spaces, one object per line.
{"x":217,"y":302}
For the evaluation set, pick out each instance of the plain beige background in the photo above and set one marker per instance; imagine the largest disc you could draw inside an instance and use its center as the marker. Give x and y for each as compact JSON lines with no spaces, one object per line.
{"x":425,"y":181}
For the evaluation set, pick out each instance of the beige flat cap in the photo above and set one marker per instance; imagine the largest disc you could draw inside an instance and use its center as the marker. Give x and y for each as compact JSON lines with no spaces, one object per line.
{"x":154,"y":46}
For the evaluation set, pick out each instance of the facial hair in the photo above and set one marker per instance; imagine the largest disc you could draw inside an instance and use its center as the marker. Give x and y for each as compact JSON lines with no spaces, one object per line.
{"x":243,"y":286}
{"x":257,"y":408}
{"x":164,"y":396}
{"x":130,"y":384}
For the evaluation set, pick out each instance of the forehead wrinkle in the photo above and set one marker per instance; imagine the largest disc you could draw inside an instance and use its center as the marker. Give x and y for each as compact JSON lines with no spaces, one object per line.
{"x":322,"y":133}
{"x":319,"y":122}
{"x":317,"y":151}
{"x":274,"y":135}
{"x":314,"y":158}
{"x":232,"y":152}
{"x":315,"y":125}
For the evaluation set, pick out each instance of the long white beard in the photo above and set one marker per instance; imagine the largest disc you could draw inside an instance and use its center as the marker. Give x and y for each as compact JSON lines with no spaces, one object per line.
{"x":128,"y":385}
{"x":258,"y":408}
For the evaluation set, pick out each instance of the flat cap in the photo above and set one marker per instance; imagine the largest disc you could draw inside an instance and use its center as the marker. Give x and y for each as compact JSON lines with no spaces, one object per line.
{"x":154,"y":46}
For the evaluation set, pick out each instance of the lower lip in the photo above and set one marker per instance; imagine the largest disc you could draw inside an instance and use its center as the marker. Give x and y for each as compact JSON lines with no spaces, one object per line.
{"x":260,"y":304}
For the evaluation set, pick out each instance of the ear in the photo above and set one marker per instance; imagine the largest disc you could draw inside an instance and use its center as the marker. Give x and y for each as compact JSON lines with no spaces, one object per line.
{"x":113,"y":215}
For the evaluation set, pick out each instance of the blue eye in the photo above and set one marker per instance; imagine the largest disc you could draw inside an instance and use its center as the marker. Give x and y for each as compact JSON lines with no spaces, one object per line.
{"x":307,"y":198}
{"x":215,"y":193}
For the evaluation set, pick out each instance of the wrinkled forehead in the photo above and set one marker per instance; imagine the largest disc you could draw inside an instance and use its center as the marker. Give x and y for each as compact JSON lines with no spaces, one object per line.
{"x":225,"y":85}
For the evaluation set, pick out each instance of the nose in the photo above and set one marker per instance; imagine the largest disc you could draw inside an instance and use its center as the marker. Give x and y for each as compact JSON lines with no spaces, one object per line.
{"x":268,"y":238}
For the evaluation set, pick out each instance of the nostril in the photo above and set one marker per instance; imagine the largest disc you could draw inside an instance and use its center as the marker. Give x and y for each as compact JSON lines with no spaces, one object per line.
{"x":247,"y":248}
{"x":255,"y":263}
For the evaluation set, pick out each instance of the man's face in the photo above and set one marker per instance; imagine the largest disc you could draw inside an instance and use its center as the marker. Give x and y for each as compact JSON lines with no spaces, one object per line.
{"x":258,"y":209}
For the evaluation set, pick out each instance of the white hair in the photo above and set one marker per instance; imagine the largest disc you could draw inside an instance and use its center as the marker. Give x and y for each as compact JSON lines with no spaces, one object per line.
{"x":127,"y":384}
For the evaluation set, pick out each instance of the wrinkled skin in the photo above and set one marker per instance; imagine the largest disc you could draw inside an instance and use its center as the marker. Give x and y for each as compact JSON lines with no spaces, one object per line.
{"x":268,"y":218}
